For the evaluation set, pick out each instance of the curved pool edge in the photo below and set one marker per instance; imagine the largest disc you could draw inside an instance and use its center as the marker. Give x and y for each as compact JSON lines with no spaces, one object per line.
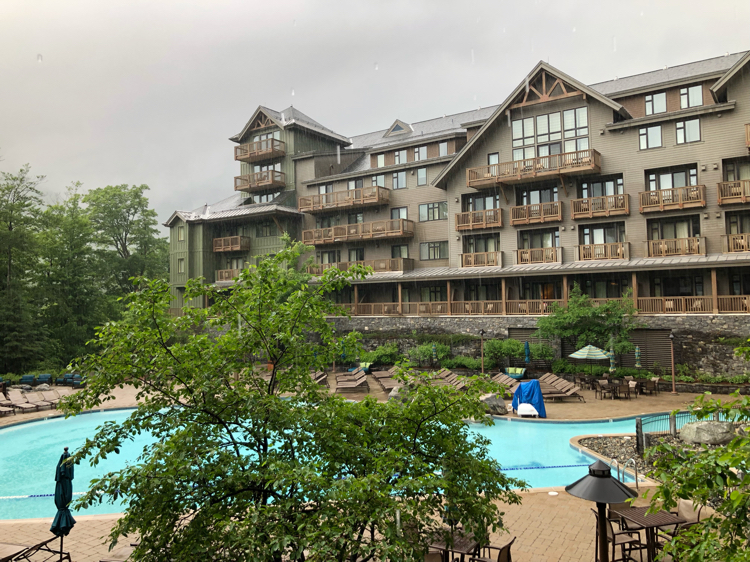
{"x":57,"y":415}
{"x":575,"y":443}
{"x":574,"y":420}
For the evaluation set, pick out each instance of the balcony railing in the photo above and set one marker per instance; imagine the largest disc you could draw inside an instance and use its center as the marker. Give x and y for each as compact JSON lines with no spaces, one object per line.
{"x":537,"y":213}
{"x":482,"y":259}
{"x":473,"y":220}
{"x":260,"y":181}
{"x":583,"y":161}
{"x":734,"y":192}
{"x":226,"y":274}
{"x":379,"y":266}
{"x":260,"y":150}
{"x":360,"y":197}
{"x":676,"y":247}
{"x":734,"y":304}
{"x":476,"y":307}
{"x":538,"y":255}
{"x":675,"y":198}
{"x":610,"y":251}
{"x":675,"y":305}
{"x":747,"y":135}
{"x":394,"y":228}
{"x":605,"y":206}
{"x":232,"y":244}
{"x":735,"y":243}
{"x":532,"y":307}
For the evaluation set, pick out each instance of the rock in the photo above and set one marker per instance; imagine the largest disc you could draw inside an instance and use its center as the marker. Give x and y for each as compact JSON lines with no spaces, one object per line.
{"x":744,"y":430}
{"x":42,"y":387}
{"x":494,"y":404}
{"x":397,"y":394}
{"x":22,"y":387}
{"x":708,"y":432}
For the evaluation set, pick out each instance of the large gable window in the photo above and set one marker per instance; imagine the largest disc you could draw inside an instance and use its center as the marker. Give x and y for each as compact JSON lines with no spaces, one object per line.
{"x":576,"y":126}
{"x":523,"y":136}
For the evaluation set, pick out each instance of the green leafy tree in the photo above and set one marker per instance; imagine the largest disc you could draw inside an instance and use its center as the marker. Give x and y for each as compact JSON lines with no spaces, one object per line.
{"x":500,"y":352}
{"x":125,"y":231}
{"x":238,"y":472}
{"x":718,"y":477}
{"x":603,"y":325}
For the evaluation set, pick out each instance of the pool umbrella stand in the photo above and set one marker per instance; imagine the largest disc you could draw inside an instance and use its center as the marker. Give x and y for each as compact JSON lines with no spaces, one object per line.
{"x":590,"y":352}
{"x":599,"y":486}
{"x":63,"y":521}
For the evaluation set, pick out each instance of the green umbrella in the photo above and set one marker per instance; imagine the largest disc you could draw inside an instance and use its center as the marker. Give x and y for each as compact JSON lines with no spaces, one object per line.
{"x":63,"y":522}
{"x":637,"y":357}
{"x":590,"y":352}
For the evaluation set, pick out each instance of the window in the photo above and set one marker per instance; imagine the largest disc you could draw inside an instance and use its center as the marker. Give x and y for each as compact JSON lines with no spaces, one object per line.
{"x":523,"y":132}
{"x":671,"y":229}
{"x":603,"y":233}
{"x":398,"y":213}
{"x":688,"y":131}
{"x":265,"y":229}
{"x":691,"y":97}
{"x":327,"y":222}
{"x":443,"y":149}
{"x":400,"y":157}
{"x":493,"y":159}
{"x":602,"y":188}
{"x":576,"y":124}
{"x":548,"y":128}
{"x":736,"y":170}
{"x":738,"y":224}
{"x":481,"y":202}
{"x":355,"y":184}
{"x":329,"y":256}
{"x":379,"y":180}
{"x":481,"y":243}
{"x":355,"y":218}
{"x":181,"y":265}
{"x":656,"y":103}
{"x":400,"y":251}
{"x":548,"y":238}
{"x":668,"y":179}
{"x":180,"y":233}
{"x":265,"y":136}
{"x":381,"y":160}
{"x":422,"y":176}
{"x":399,"y":180}
{"x":356,"y":254}
{"x":650,"y":137}
{"x":404,"y":294}
{"x":328,"y":188}
{"x":433,"y":211}
{"x":536,"y":196}
{"x":433,"y":250}
{"x":434,"y":294}
{"x":420,"y":153}
{"x":265,"y":197}
{"x":258,"y":168}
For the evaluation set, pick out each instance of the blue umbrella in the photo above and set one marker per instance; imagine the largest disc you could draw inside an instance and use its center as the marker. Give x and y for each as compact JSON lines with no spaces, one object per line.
{"x":63,"y":522}
{"x":527,"y":350}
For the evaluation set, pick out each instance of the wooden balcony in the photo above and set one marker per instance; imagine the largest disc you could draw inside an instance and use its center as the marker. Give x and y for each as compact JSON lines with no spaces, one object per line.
{"x":733,"y":192}
{"x":695,"y":246}
{"x":538,"y":255}
{"x":537,"y":213}
{"x":232,"y":244}
{"x":266,"y":149}
{"x":482,"y":259}
{"x":530,"y":307}
{"x":475,"y":220}
{"x":606,"y":206}
{"x":670,"y":199}
{"x":226,"y":274}
{"x":734,"y":304}
{"x":477,"y":308}
{"x":675,"y":305}
{"x":733,"y":243}
{"x":611,"y":251}
{"x":377,"y":230}
{"x":520,"y":171}
{"x":747,"y":135}
{"x":360,"y":197}
{"x":378,"y":266}
{"x":260,"y":181}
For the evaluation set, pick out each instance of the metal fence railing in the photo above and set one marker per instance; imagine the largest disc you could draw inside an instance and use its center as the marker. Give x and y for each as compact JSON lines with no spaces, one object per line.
{"x":647,"y":428}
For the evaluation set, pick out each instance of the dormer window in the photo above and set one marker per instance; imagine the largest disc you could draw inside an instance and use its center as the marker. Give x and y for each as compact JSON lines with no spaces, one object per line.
{"x":656,"y":103}
{"x":381,"y":160}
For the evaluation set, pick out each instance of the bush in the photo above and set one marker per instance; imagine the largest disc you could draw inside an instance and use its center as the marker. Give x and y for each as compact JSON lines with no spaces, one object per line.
{"x":739,"y":379}
{"x":498,"y":350}
{"x":464,"y":362}
{"x":423,"y":354}
{"x":542,"y":352}
{"x":387,"y":354}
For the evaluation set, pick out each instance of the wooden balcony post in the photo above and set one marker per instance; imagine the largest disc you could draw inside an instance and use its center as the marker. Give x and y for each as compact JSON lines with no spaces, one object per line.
{"x":449,"y":296}
{"x":400,"y":307}
{"x":356,"y":299}
{"x":565,"y":290}
{"x":502,"y":294}
{"x":714,"y":291}
{"x":635,"y":289}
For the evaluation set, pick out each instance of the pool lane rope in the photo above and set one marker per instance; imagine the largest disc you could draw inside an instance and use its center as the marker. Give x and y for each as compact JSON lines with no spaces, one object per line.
{"x":35,"y":496}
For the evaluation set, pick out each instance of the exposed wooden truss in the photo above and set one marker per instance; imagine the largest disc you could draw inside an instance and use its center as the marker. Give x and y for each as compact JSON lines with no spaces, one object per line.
{"x":545,"y":87}
{"x":261,"y":121}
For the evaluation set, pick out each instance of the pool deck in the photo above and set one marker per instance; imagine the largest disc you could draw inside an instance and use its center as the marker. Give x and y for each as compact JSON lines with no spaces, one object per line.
{"x":548,"y":528}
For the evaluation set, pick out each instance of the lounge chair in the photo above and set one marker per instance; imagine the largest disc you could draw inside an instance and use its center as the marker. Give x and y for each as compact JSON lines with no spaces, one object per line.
{"x":11,"y":552}
{"x":36,"y":399}
{"x":357,"y":385}
{"x":79,"y":381}
{"x":5,"y":411}
{"x":51,"y":396}
{"x":354,"y":375}
{"x":384,"y":374}
{"x":389,"y":384}
{"x":494,"y":553}
{"x":20,"y":403}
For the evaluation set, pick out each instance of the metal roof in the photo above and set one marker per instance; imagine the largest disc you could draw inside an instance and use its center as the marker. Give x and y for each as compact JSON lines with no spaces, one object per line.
{"x":233,"y":207}
{"x":289,"y":117}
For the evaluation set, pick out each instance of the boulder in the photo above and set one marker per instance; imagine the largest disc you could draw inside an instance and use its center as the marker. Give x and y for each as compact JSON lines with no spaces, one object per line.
{"x":22,"y":387}
{"x":398,"y":394}
{"x":707,"y":432}
{"x":744,"y":430}
{"x":42,"y":387}
{"x":494,"y":404}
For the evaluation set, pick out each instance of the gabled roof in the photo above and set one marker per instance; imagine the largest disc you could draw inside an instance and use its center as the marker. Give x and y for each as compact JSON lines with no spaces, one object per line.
{"x":523,"y":87}
{"x":233,"y":207}
{"x":722,"y":82}
{"x":289,"y":117}
{"x":398,"y":128}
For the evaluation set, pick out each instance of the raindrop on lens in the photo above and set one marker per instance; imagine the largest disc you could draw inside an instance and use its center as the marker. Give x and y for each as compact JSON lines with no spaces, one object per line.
{"x":574,"y":30}
{"x":39,"y":58}
{"x":376,"y":66}
{"x":292,"y":91}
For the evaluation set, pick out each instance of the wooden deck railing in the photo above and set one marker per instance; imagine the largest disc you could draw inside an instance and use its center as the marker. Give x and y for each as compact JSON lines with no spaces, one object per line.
{"x":734,"y":304}
{"x":733,"y":192}
{"x":675,"y":198}
{"x":676,"y":247}
{"x":538,"y":255}
{"x":476,"y":307}
{"x":226,"y":274}
{"x":260,"y":181}
{"x":611,"y":251}
{"x":732,"y":243}
{"x":378,"y":266}
{"x":482,"y":259}
{"x":360,"y":197}
{"x":531,"y":307}
{"x":537,"y":213}
{"x":232,"y":244}
{"x":675,"y":305}
{"x":605,"y":206}
{"x":472,"y":220}
{"x":747,"y":135}
{"x":531,"y":168}
{"x":260,"y":150}
{"x":393,"y":228}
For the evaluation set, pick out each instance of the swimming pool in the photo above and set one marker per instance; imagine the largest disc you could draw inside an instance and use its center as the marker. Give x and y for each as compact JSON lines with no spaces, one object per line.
{"x":538,"y":452}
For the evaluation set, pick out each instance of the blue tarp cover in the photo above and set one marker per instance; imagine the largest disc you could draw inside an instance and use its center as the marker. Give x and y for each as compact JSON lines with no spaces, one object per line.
{"x":530,"y":393}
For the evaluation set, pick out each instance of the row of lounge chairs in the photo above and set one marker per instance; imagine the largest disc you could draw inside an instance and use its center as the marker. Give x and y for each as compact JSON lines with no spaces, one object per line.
{"x":353,"y":381}
{"x":553,"y":387}
{"x":68,"y":379}
{"x":29,"y":402}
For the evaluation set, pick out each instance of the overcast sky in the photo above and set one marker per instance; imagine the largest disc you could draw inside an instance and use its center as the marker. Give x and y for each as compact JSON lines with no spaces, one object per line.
{"x":148,"y":91}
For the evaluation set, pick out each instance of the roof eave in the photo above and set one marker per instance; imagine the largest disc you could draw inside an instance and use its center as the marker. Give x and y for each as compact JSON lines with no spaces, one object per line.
{"x":728,"y":75}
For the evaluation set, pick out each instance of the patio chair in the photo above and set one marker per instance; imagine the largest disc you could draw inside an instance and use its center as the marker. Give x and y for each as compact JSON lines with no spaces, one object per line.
{"x":626,"y":540}
{"x":36,"y":399}
{"x":79,"y":381}
{"x":686,"y":510}
{"x":357,"y":385}
{"x":494,"y":553}
{"x":389,"y":384}
{"x":28,"y":379}
{"x":6,"y":411}
{"x":623,"y":524}
{"x":602,"y":388}
{"x":354,"y":375}
{"x":11,"y":552}
{"x":51,"y":396}
{"x":19,"y":402}
{"x":633,"y":388}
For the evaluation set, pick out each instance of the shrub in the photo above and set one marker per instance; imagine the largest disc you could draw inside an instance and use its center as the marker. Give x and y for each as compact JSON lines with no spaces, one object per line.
{"x":739,"y":379}
{"x":423,"y":354}
{"x":387,"y":354}
{"x":733,"y":341}
{"x":498,"y":350}
{"x":464,"y":362}
{"x":542,"y":352}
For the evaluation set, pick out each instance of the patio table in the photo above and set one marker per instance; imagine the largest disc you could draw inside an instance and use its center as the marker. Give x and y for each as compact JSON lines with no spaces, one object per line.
{"x":650,"y":523}
{"x":463,"y":543}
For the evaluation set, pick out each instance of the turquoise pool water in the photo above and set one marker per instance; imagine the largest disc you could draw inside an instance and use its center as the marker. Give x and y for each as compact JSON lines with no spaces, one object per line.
{"x":538,"y":452}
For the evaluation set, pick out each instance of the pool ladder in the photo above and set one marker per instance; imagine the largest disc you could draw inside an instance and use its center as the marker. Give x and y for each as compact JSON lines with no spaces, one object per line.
{"x":621,"y":471}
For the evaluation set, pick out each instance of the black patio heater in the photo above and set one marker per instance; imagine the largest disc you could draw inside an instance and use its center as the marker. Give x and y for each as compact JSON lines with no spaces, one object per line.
{"x":599,"y":486}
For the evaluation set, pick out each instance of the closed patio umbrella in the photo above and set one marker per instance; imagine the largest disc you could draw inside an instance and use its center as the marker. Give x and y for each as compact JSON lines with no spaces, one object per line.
{"x":527,"y":351}
{"x":637,"y":357}
{"x":590,"y":352}
{"x":63,"y":521}
{"x":611,"y":360}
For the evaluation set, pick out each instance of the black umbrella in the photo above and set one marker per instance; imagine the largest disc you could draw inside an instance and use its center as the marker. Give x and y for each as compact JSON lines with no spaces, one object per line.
{"x":600,"y":487}
{"x":63,"y":522}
